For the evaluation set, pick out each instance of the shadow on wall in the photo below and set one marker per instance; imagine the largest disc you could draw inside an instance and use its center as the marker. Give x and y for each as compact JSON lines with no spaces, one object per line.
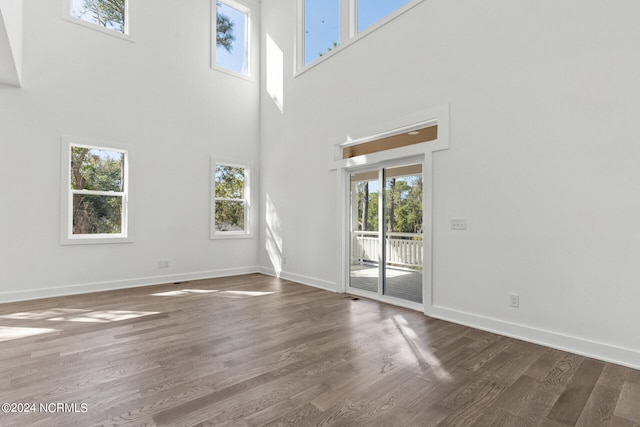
{"x":273,"y":233}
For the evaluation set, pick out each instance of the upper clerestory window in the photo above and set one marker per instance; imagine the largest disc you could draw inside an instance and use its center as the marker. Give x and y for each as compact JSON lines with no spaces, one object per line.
{"x":325,"y":26}
{"x":373,"y":11}
{"x":321,"y":28}
{"x":114,"y":17}
{"x":231,"y":52}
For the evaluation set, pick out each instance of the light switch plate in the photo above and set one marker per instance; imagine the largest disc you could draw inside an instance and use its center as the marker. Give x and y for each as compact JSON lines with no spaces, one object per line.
{"x":458,"y":224}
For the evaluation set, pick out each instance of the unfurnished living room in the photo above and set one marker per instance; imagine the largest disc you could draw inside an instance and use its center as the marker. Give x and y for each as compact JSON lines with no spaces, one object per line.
{"x":319,"y":212}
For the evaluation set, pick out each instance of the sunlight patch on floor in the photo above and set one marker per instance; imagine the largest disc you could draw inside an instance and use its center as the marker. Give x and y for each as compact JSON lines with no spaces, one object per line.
{"x":184,"y":292}
{"x":79,"y":315}
{"x":105,"y":316}
{"x":8,"y":333}
{"x":245,"y":293}
{"x":423,"y":357}
{"x":229,"y":294}
{"x":44,"y":314}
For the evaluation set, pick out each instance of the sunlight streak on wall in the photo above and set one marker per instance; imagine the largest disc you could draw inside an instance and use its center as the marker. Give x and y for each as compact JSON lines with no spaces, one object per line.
{"x":275,"y":73}
{"x":273,"y":243}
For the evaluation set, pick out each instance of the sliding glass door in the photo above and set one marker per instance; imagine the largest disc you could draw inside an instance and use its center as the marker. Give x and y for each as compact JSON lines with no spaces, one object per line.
{"x":365,"y":231}
{"x":386,"y":233}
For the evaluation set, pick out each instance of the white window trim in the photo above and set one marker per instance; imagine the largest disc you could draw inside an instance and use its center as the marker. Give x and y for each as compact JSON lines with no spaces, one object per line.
{"x":129,"y":21}
{"x":248,"y":212}
{"x":66,"y":215}
{"x":248,"y":37}
{"x":348,"y":31}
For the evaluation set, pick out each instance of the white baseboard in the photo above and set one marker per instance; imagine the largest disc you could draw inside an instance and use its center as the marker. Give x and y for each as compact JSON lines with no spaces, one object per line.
{"x":584,"y":347}
{"x":305,"y":280}
{"x":120,"y":284}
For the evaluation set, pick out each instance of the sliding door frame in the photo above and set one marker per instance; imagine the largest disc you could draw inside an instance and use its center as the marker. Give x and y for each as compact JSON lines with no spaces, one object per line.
{"x":423,"y":152}
{"x":380,"y":169}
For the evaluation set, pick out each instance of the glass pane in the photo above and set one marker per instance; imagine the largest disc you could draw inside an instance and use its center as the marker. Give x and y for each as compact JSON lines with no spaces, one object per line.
{"x":371,"y":11}
{"x":97,"y":214}
{"x":230,"y":182}
{"x":365,"y":236}
{"x":321,"y":27}
{"x":403,"y":225}
{"x":231,"y":38}
{"x":95,"y":169}
{"x":105,"y":13}
{"x":229,"y":215}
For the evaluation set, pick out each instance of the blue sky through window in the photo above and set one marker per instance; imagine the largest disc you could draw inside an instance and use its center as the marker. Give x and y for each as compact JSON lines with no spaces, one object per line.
{"x":371,"y":11}
{"x":321,"y":27}
{"x":236,"y":60}
{"x":322,"y":22}
{"x":79,"y":11}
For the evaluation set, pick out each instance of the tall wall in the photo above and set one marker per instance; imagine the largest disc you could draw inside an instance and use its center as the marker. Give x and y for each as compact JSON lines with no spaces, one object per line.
{"x":159,"y":97}
{"x":544,"y":100}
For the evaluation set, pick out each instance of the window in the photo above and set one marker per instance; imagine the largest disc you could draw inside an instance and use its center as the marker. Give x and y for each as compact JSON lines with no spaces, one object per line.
{"x":95,"y":193}
{"x":110,"y":16}
{"x":321,"y":28}
{"x":327,"y":25}
{"x":372,"y":11}
{"x":231,"y":49}
{"x":230,"y":212}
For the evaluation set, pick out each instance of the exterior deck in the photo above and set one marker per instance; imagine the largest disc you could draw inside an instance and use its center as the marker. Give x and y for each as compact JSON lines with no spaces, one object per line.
{"x":403,"y":272}
{"x":400,"y":283}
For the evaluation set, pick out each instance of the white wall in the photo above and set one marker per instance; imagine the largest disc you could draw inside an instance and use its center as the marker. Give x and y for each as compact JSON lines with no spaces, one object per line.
{"x":157,"y":95}
{"x":544,"y":101}
{"x":10,"y":41}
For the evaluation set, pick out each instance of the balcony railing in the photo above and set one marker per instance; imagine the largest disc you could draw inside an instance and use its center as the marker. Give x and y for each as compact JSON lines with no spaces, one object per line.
{"x":402,"y":249}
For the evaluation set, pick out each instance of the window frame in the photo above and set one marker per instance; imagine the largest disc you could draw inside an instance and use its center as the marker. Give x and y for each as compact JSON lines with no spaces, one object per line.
{"x":248,"y":11}
{"x":66,"y":218}
{"x":248,"y":228}
{"x":129,"y":20}
{"x":348,"y":30}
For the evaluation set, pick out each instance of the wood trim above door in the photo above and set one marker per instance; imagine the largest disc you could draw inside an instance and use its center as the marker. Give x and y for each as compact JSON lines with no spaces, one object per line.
{"x":426,"y":134}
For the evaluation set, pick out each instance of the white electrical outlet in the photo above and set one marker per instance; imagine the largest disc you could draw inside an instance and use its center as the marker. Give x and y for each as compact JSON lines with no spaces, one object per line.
{"x":514,"y":300}
{"x":163,"y":263}
{"x":458,"y":224}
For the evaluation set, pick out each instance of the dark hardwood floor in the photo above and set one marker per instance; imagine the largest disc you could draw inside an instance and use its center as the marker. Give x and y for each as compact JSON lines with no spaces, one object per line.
{"x":254,"y":350}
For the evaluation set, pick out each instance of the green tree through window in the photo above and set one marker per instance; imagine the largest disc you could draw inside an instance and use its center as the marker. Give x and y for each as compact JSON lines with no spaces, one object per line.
{"x":105,"y":13}
{"x":224,"y":30}
{"x":232,"y":36}
{"x":230,"y":199}
{"x":98,"y":187}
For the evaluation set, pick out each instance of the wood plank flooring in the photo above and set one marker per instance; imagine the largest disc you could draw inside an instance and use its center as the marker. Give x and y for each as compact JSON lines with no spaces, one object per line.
{"x":258,"y":351}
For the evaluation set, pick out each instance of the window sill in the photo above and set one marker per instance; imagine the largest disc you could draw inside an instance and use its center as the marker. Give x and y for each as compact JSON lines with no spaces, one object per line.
{"x":70,"y":241}
{"x":128,"y":37}
{"x":247,"y":77}
{"x":231,"y":235}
